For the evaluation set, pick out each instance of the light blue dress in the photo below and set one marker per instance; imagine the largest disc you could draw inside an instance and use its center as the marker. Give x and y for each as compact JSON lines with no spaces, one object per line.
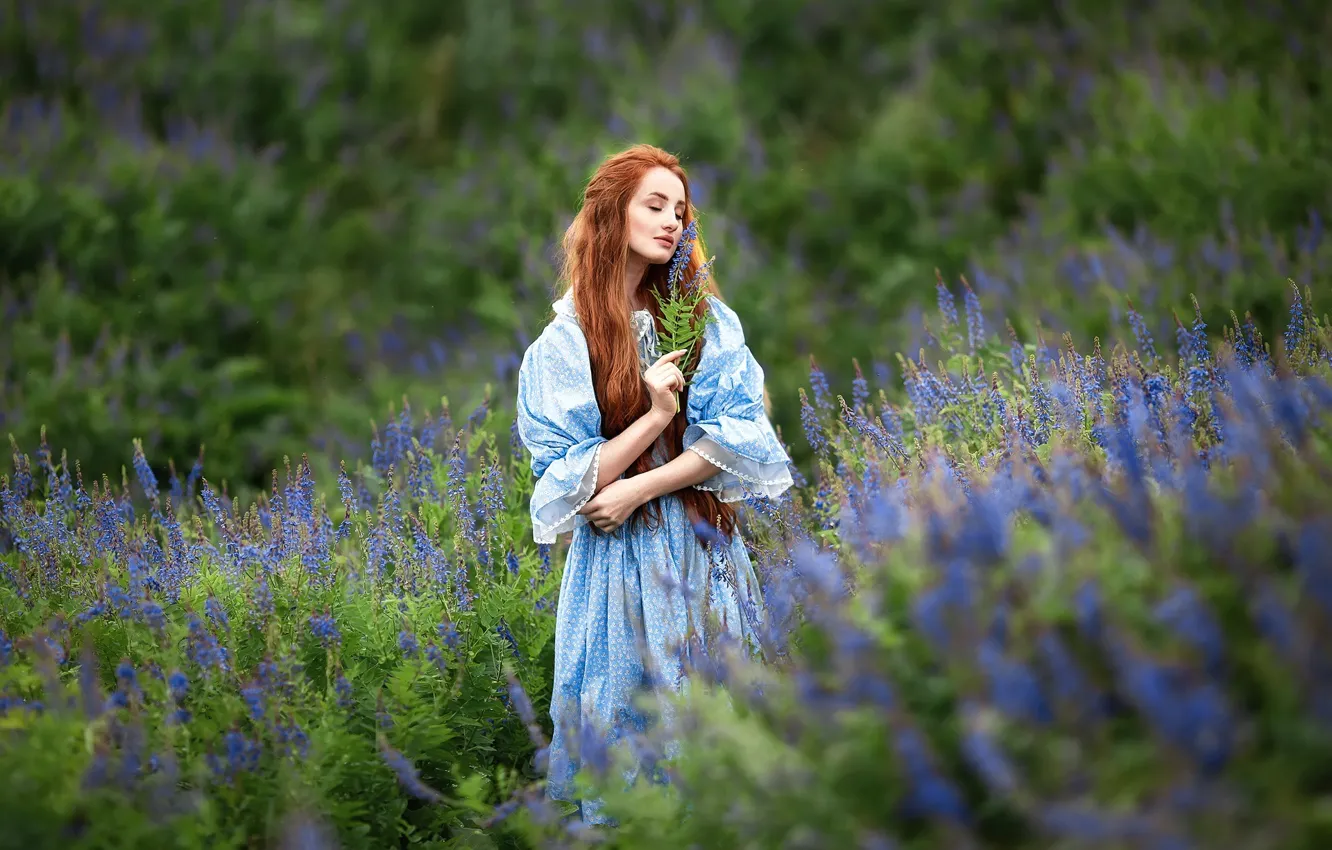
{"x":627,"y":598}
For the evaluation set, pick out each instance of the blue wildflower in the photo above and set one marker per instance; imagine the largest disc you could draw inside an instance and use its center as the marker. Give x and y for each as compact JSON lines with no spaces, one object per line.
{"x":325,"y":629}
{"x":809,"y":420}
{"x":947,"y":301}
{"x":859,"y":388}
{"x":975,"y":318}
{"x":819,"y":384}
{"x":407,"y":773}
{"x":408,"y":644}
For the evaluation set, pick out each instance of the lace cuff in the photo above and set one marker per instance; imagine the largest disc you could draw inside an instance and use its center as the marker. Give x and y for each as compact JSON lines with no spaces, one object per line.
{"x":559,"y":514}
{"x":740,"y":476}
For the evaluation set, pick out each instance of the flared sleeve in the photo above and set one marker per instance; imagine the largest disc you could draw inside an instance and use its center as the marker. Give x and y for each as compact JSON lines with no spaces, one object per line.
{"x":560,"y":424}
{"x":727,"y":423}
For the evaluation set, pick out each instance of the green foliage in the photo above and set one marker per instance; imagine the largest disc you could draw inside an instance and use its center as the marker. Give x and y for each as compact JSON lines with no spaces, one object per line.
{"x":253,"y":227}
{"x":274,"y":715}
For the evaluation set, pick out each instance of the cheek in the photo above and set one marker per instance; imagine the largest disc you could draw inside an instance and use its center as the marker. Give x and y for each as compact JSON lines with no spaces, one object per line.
{"x":640,"y":224}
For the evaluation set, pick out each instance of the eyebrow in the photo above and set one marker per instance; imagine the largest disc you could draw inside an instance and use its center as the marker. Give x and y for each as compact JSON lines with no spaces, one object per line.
{"x":663,"y":197}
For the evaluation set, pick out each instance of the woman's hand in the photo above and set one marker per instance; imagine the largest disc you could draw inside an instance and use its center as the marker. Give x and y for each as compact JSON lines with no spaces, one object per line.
{"x":664,"y":379}
{"x":609,"y":509}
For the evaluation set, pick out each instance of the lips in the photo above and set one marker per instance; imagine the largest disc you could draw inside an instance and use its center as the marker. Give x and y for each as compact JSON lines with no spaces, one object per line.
{"x":665,"y":242}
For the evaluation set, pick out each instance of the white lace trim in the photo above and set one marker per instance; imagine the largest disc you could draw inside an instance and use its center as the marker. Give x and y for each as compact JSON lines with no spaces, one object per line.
{"x":737,"y":473}
{"x":736,"y":495}
{"x":769,"y":487}
{"x":545,"y":533}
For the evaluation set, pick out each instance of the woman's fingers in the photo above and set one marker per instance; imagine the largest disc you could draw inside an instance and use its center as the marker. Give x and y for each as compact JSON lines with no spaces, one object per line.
{"x":673,"y":380}
{"x":670,"y":357}
{"x":665,"y":373}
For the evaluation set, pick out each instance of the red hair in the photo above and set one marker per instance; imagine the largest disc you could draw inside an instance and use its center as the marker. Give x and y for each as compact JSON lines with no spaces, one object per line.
{"x":595,"y":257}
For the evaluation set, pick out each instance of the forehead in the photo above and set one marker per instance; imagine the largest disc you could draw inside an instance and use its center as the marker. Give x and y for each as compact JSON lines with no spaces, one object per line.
{"x":662,"y":182}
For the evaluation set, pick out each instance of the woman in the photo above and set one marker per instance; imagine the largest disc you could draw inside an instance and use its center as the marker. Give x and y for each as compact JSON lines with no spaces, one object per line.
{"x":636,"y":481}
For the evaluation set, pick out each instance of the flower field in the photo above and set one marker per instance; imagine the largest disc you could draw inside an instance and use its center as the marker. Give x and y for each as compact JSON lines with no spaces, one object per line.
{"x":1026,"y":596}
{"x":1054,"y":576}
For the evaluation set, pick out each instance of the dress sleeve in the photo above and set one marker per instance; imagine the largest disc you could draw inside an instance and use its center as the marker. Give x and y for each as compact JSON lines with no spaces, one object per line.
{"x":728,"y":425}
{"x":560,"y":424}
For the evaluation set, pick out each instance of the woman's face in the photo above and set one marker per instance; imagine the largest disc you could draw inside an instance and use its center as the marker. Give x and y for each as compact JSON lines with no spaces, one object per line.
{"x":656,"y":215}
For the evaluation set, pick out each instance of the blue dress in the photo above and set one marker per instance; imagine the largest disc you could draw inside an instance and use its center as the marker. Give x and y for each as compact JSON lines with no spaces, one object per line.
{"x":628,"y":598}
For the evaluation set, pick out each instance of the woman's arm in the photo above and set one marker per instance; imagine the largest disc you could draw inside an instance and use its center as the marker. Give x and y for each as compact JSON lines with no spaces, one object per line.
{"x":688,"y":469}
{"x":612,"y":506}
{"x":618,"y":453}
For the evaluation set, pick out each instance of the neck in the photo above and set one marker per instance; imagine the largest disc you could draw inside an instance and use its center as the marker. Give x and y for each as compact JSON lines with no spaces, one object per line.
{"x":634,"y":271}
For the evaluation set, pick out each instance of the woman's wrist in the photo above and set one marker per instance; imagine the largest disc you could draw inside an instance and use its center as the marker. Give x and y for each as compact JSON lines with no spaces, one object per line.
{"x":646,"y":484}
{"x":659,"y":418}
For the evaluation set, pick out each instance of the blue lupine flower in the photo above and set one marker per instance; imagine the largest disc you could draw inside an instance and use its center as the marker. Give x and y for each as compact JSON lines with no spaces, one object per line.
{"x":217,"y":614}
{"x":178,"y":685}
{"x":518,"y":698}
{"x":683,"y":249}
{"x":435,"y":656}
{"x":408,"y":644}
{"x":478,"y":415}
{"x":502,"y":628}
{"x":449,"y":635}
{"x":407,"y":773}
{"x":929,"y":794}
{"x":592,"y":747}
{"x":343,"y":689}
{"x":516,"y":446}
{"x":809,"y":420}
{"x":975,"y":318}
{"x":818,"y":382}
{"x":947,"y":303}
{"x":92,"y":612}
{"x":325,"y":629}
{"x":240,"y":755}
{"x":1072,"y":686}
{"x":295,"y":743}
{"x":147,"y":480}
{"x":457,"y":478}
{"x":983,"y":752}
{"x":1146,"y":345}
{"x":261,"y":599}
{"x":492,"y":502}
{"x":252,"y":695}
{"x":1014,"y":688}
{"x":1295,"y":328}
{"x":1184,"y":613}
{"x":204,"y":649}
{"x":859,"y":388}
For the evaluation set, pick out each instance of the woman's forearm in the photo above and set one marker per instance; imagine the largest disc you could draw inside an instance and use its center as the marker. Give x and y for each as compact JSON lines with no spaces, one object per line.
{"x":619,"y":452}
{"x":688,"y":469}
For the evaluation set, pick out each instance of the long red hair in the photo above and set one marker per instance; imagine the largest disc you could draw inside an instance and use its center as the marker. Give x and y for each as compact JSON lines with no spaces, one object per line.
{"x":595,"y":257}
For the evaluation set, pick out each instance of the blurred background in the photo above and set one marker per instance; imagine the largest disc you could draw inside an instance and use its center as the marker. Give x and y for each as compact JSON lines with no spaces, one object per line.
{"x":259,"y":225}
